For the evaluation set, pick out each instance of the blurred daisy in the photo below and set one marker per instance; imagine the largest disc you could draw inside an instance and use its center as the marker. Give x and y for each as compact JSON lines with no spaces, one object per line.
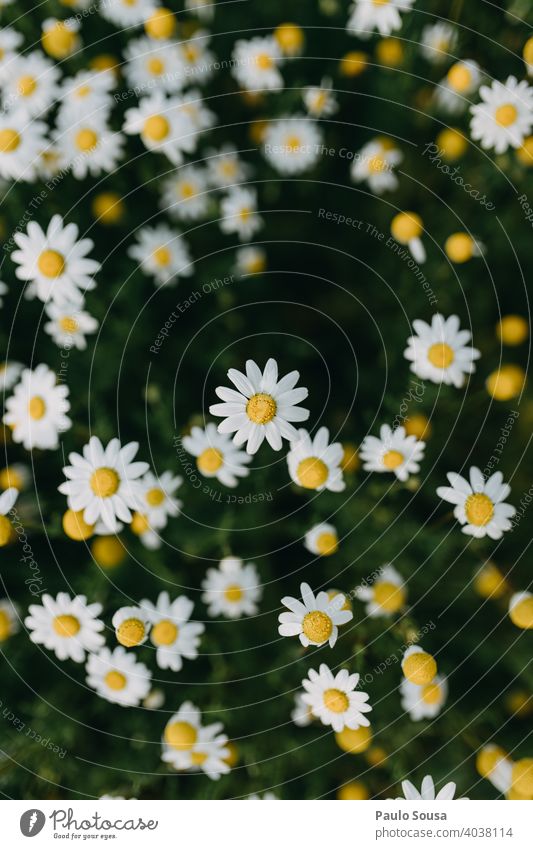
{"x":216,"y":455}
{"x":162,"y":254}
{"x":265,"y":797}
{"x":438,"y":41}
{"x":393,"y":452}
{"x":224,"y":167}
{"x":314,"y":463}
{"x":255,"y":64}
{"x":262,"y":407}
{"x":157,"y":500}
{"x":89,"y":90}
{"x":250,"y":261}
{"x":439,"y":352}
{"x":375,"y":163}
{"x":197,"y":59}
{"x":104,"y":482}
{"x":504,"y":117}
{"x":163,"y":125}
{"x":37,"y":410}
{"x":69,"y":325}
{"x":10,"y":41}
{"x":315,"y":621}
{"x":454,"y":91}
{"x":292,"y":145}
{"x":386,"y":596}
{"x":21,"y":145}
{"x":301,"y":714}
{"x":407,"y":228}
{"x":67,"y":626}
{"x":126,"y":13}
{"x":380,"y":15}
{"x":238,"y":213}
{"x":3,"y":291}
{"x":15,"y":475}
{"x":172,"y":633}
{"x":233,"y":589}
{"x":333,"y":700}
{"x":193,"y":105}
{"x":9,"y":619}
{"x":187,"y":745}
{"x":521,"y":610}
{"x":31,"y":85}
{"x":479,"y":504}
{"x":60,"y":38}
{"x":320,"y":101}
{"x":7,"y":501}
{"x":86,"y":145}
{"x":118,"y":677}
{"x":423,"y":702}
{"x":55,"y":262}
{"x":322,"y":539}
{"x":154,"y":64}
{"x":427,"y":791}
{"x":10,"y":372}
{"x":185,"y":195}
{"x":131,"y":626}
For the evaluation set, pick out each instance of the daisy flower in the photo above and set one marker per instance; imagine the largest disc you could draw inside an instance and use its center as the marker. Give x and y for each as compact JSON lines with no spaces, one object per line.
{"x":156,"y":503}
{"x":162,"y":253}
{"x":301,"y":714}
{"x":60,"y":38}
{"x":393,"y":452}
{"x":187,"y":745}
{"x":479,"y":504}
{"x":314,"y":463}
{"x":210,"y":751}
{"x":154,"y":64}
{"x":521,"y":610}
{"x":315,"y":621}
{"x":233,"y":589}
{"x":37,"y":410}
{"x":262,"y":407}
{"x":319,"y":100}
{"x":238,"y":213}
{"x":184,"y":194}
{"x":15,"y":475}
{"x":89,"y":90}
{"x":31,"y":85}
{"x":224,"y":168}
{"x":369,"y":15}
{"x":7,"y":502}
{"x":250,"y":261}
{"x":423,"y":702}
{"x":427,"y":791}
{"x":193,"y":105}
{"x":163,"y":125}
{"x":197,"y":59}
{"x":504,"y":117}
{"x":418,"y":666}
{"x":67,"y":626}
{"x":21,"y":145}
{"x":131,"y":626}
{"x":333,"y":700}
{"x":454,"y":91}
{"x":439,"y":352}
{"x":255,"y":64}
{"x":375,"y":163}
{"x":171,"y":633}
{"x":118,"y":677}
{"x":322,"y":539}
{"x":10,"y":41}
{"x":438,"y":41}
{"x":407,"y":228}
{"x":10,"y":372}
{"x":9,"y":619}
{"x":493,"y":763}
{"x":292,"y":145}
{"x":69,"y":324}
{"x":216,"y":455}
{"x":103,"y":483}
{"x":86,"y":144}
{"x":55,"y":263}
{"x":126,"y":13}
{"x":386,"y":596}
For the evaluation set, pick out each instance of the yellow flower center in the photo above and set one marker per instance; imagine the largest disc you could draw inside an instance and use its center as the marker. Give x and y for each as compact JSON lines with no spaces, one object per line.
{"x":68,"y":324}
{"x":156,"y":128}
{"x":5,"y":626}
{"x":244,"y":213}
{"x":312,"y":473}
{"x":180,"y":735}
{"x":419,"y":668}
{"x":26,"y":86}
{"x":336,"y":701}
{"x":381,"y":2}
{"x":389,"y":596}
{"x":36,"y":408}
{"x":104,"y":482}
{"x":198,"y":758}
{"x":441,"y":355}
{"x":293,"y":143}
{"x":190,"y":52}
{"x":83,"y":91}
{"x":75,"y":526}
{"x":522,"y":614}
{"x":139,"y":524}
{"x":86,"y":140}
{"x":261,"y":408}
{"x":10,"y":477}
{"x":188,"y":190}
{"x":459,"y":247}
{"x":233,"y":593}
{"x":459,"y":78}
{"x":327,"y":543}
{"x":59,"y":41}
{"x":164,"y":633}
{"x":431,"y":694}
{"x":131,"y":633}
{"x":6,"y":531}
{"x":160,"y":24}
{"x":66,"y":625}
{"x":51,"y":263}
{"x":354,"y":741}
{"x":506,"y":115}
{"x":406,"y":226}
{"x":115,"y":680}
{"x":155,"y":497}
{"x":155,"y":66}
{"x":9,"y":140}
{"x":209,"y":461}
{"x":264,"y":61}
{"x":317,"y":626}
{"x":376,"y":165}
{"x":479,"y":509}
{"x":392,"y":459}
{"x":522,"y":777}
{"x":161,"y":256}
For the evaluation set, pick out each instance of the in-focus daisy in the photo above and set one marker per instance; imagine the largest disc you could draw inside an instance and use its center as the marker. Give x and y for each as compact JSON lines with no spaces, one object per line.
{"x":238,"y":213}
{"x":384,"y":16}
{"x":521,"y":610}
{"x":157,"y":500}
{"x":333,"y":700}
{"x":104,"y":482}
{"x":504,"y":117}
{"x":21,"y":146}
{"x":454,"y":92}
{"x":31,"y":85}
{"x":55,"y":262}
{"x":386,"y":595}
{"x":256,"y":62}
{"x":162,"y":253}
{"x":393,"y":451}
{"x":375,"y":163}
{"x":154,"y":64}
{"x":126,"y":13}
{"x":224,"y":167}
{"x":7,"y":502}
{"x":427,"y":791}
{"x":315,"y":620}
{"x":250,"y":260}
{"x":319,"y":100}
{"x":163,"y":125}
{"x":438,"y":41}
{"x":173,"y":635}
{"x":314,"y":463}
{"x":9,"y":619}
{"x":301,"y":714}
{"x":322,"y":539}
{"x":423,"y":702}
{"x":233,"y":589}
{"x":118,"y":677}
{"x":37,"y":410}
{"x":86,"y":144}
{"x":292,"y":145}
{"x":440,"y":352}
{"x":67,"y":626}
{"x":216,"y":455}
{"x":479,"y":504}
{"x":69,"y":324}
{"x":131,"y":626}
{"x":262,"y":407}
{"x":184,"y":194}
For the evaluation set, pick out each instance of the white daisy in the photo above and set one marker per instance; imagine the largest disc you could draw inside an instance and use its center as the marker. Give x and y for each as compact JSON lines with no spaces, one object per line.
{"x":154,"y":64}
{"x":333,"y":700}
{"x":504,"y":117}
{"x":55,"y":262}
{"x":193,"y":105}
{"x":322,"y":539}
{"x":210,"y":751}
{"x":423,"y":702}
{"x":131,"y":625}
{"x":407,"y":228}
{"x":479,"y":504}
{"x":10,"y":372}
{"x":262,"y":407}
{"x":315,"y":621}
{"x":386,"y":595}
{"x":375,"y":163}
{"x":233,"y":589}
{"x":9,"y":619}
{"x":184,"y":194}
{"x":197,"y":59}
{"x":118,"y":677}
{"x":216,"y":455}
{"x":439,"y":352}
{"x":15,"y":475}
{"x":319,"y":100}
{"x":238,"y":213}
{"x":21,"y":145}
{"x":31,"y":85}
{"x":89,"y":90}
{"x":493,"y":763}
{"x":224,"y":167}
{"x":250,"y":260}
{"x":301,"y":714}
{"x":314,"y":463}
{"x":157,"y":499}
{"x":393,"y":452}
{"x":453,"y":93}
{"x":67,"y":626}
{"x":10,"y":41}
{"x":7,"y":502}
{"x":69,"y":325}
{"x":104,"y":482}
{"x":255,"y":64}
{"x":85,"y":143}
{"x":60,"y":38}
{"x":126,"y":13}
{"x":384,"y":16}
{"x":163,"y":125}
{"x":521,"y":610}
{"x":162,"y":253}
{"x":187,"y":745}
{"x":292,"y":145}
{"x":37,"y":410}
{"x":427,"y":791}
{"x":173,"y":635}
{"x":438,"y":41}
